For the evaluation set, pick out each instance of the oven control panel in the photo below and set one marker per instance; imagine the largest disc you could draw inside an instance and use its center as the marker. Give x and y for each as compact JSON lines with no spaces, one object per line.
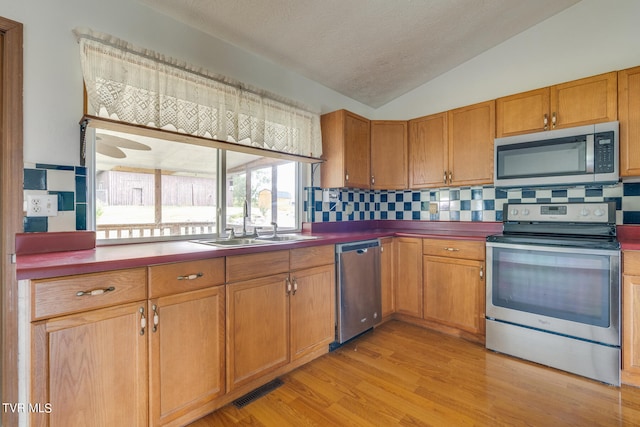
{"x":602,"y":213}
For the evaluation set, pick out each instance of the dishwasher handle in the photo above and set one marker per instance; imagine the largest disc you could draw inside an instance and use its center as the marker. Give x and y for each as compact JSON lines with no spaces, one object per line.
{"x":360,"y":247}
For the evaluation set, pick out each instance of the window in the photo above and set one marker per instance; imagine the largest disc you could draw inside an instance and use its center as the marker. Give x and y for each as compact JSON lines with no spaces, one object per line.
{"x":149,"y":188}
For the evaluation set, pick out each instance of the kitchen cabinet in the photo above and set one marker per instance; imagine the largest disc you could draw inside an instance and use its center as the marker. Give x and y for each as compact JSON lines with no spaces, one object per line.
{"x":90,"y":364}
{"x":428,"y":153}
{"x":471,"y":132}
{"x":576,"y":103}
{"x":387,"y":276}
{"x":388,"y":155}
{"x":346,"y":149}
{"x":408,"y":263}
{"x":629,"y":116}
{"x":631,"y":318}
{"x":454,"y":289}
{"x":282,"y":312}
{"x":186,"y":340}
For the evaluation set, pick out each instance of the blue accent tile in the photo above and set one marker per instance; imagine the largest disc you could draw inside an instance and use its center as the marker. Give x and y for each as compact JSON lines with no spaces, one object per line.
{"x":361,"y":197}
{"x":384,"y":215}
{"x":576,"y":199}
{"x":501,"y":194}
{"x":383,"y":198}
{"x":476,"y":216}
{"x":593,"y":192}
{"x":371,"y":197}
{"x":81,"y":170}
{"x":356,"y":206}
{"x":81,"y":189}
{"x":372,"y":215}
{"x":338,"y":216}
{"x":399,"y":215}
{"x":476,"y":194}
{"x":454,"y":195}
{"x":631,"y":217}
{"x":376,"y":207}
{"x":415,"y":196}
{"x":558,"y":193}
{"x":361,"y":216}
{"x":54,"y":167}
{"x":499,"y":215}
{"x":399,"y":197}
{"x":391,"y":207}
{"x":350,"y":197}
{"x":488,"y":205}
{"x":543,"y":200}
{"x":367,"y":206}
{"x":454,"y":215}
{"x":407,"y":206}
{"x":81,"y":216}
{"x":66,"y":200}
{"x":332,"y":206}
{"x":631,"y":189}
{"x":432,"y":196}
{"x":318,"y":206}
{"x":527,"y":194}
{"x":424,"y":206}
{"x":465,"y":205}
{"x":35,"y":224}
{"x":415,"y":215}
{"x":513,"y":200}
{"x":35,"y":179}
{"x":325,"y":216}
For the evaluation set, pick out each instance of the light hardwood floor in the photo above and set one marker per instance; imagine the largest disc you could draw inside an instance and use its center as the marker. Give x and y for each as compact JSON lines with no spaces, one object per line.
{"x":401,"y":374}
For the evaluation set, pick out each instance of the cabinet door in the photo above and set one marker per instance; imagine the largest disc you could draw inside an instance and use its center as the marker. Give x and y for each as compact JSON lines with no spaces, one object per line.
{"x":428,"y":162}
{"x":312,"y":305}
{"x":471,"y":136}
{"x":92,"y":368}
{"x":454,"y":293}
{"x":257,"y":328}
{"x":187,"y":354}
{"x":357,"y":142}
{"x":629,"y":115}
{"x":523,"y":113}
{"x":631,"y":330}
{"x":581,"y":102}
{"x":387,"y":277}
{"x":388,"y":155}
{"x":408,"y":252}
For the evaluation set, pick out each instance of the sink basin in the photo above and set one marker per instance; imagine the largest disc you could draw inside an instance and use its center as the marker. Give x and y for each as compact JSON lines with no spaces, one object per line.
{"x":285,"y":238}
{"x":254,"y":241}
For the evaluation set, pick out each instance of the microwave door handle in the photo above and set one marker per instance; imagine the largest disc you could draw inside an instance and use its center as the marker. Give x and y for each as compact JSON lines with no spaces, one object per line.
{"x":590,"y":153}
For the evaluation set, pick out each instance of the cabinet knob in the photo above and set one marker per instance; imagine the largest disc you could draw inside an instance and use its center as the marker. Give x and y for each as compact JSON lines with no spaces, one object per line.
{"x":545,"y":121}
{"x":553,"y":120}
{"x":444,"y":176}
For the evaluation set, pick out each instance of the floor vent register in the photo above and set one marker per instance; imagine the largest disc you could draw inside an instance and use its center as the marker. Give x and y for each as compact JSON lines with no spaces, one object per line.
{"x":257,"y":393}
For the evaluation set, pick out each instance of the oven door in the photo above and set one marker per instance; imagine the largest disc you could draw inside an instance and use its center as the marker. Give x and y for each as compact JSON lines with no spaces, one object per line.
{"x":569,"y":291}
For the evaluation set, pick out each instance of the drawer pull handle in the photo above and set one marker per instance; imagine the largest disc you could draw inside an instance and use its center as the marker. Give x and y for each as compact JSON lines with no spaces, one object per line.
{"x":96,"y":291}
{"x":451,"y":249}
{"x":191,"y":276}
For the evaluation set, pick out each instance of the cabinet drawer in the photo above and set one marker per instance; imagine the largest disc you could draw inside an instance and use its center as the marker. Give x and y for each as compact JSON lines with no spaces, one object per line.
{"x":71,"y":294}
{"x":467,"y":249}
{"x":180,"y":277}
{"x":251,"y":266}
{"x":631,"y":262}
{"x":313,"y":256}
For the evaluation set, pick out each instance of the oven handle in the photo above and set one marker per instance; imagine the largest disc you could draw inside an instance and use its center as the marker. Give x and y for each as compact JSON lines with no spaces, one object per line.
{"x":559,"y":249}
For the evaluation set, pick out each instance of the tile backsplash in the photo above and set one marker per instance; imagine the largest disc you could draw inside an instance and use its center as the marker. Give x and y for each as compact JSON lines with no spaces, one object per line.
{"x":69,"y":184}
{"x":460,"y":204}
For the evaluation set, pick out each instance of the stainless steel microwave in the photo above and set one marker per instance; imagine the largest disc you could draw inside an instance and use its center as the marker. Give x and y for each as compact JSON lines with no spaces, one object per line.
{"x":573,"y":156}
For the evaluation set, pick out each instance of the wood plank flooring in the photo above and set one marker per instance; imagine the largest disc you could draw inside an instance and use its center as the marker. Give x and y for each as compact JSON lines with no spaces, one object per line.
{"x":400,"y":374}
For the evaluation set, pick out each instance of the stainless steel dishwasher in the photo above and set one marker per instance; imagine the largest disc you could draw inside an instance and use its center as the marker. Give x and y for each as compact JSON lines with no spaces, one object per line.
{"x":359,"y":303}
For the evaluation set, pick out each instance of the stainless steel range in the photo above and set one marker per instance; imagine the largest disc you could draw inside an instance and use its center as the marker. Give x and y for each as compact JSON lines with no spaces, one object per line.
{"x":553,"y":287}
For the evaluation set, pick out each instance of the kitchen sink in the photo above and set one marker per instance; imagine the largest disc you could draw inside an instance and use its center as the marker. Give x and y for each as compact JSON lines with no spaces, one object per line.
{"x":254,"y":241}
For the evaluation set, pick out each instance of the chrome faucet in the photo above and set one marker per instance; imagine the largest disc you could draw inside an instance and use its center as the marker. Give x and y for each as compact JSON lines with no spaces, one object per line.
{"x":245,"y":214}
{"x":275,"y":229}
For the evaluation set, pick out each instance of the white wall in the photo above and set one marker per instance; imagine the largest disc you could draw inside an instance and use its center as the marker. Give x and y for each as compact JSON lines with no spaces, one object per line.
{"x":53,"y":81}
{"x":589,"y":38}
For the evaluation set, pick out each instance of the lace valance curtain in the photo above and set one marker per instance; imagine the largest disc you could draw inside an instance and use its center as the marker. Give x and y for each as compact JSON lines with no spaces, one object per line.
{"x":142,"y":87}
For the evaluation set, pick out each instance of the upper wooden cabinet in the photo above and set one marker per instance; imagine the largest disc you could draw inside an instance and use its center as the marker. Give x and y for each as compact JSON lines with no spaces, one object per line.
{"x":346,"y":148}
{"x":453,"y":148}
{"x":388,"y":155}
{"x":472,"y":130}
{"x":428,"y":151}
{"x":576,"y":103}
{"x":629,"y":116}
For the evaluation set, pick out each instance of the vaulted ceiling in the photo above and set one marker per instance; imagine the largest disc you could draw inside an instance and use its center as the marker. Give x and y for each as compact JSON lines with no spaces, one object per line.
{"x":372,"y":51}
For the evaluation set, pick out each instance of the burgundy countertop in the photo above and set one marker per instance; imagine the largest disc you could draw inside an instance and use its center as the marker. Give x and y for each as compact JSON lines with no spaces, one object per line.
{"x":629,"y":237}
{"x":43,"y":255}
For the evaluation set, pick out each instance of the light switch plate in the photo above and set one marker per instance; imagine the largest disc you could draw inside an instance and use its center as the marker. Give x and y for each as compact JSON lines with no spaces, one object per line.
{"x":42,"y":205}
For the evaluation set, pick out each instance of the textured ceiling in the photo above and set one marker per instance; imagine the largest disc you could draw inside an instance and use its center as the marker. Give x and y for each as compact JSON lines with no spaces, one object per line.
{"x":370,"y":50}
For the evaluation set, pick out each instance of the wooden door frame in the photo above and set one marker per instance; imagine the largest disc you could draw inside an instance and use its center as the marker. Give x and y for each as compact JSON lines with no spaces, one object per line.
{"x":12,"y":171}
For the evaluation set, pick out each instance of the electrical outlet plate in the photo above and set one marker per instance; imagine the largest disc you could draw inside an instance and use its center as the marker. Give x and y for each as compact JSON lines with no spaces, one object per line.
{"x":42,"y":205}
{"x":433,"y":208}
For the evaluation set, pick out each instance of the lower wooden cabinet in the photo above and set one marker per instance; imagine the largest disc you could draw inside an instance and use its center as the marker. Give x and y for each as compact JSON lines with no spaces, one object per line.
{"x":631,"y":318}
{"x":186,"y":363}
{"x":92,"y":368}
{"x":408,"y":292}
